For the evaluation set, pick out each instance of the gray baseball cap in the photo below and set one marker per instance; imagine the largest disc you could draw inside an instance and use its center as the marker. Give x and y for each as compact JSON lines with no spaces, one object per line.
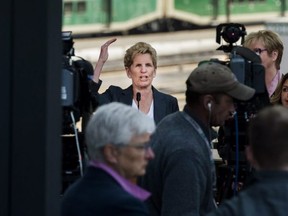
{"x":213,"y":77}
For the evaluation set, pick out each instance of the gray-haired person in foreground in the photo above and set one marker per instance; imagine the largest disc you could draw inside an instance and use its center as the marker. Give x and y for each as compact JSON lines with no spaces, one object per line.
{"x":117,"y":138}
{"x":182,"y":175}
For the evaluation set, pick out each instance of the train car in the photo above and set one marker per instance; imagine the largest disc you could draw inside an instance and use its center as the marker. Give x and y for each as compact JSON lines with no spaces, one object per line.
{"x":209,"y":12}
{"x":124,"y":16}
{"x":105,"y":16}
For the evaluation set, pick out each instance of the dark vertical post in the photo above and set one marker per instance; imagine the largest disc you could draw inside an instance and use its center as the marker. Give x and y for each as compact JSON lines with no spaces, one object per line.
{"x":109,"y":11}
{"x":228,"y":12}
{"x":5,"y":95}
{"x":30,"y":155}
{"x":283,"y":8}
{"x":215,"y":5}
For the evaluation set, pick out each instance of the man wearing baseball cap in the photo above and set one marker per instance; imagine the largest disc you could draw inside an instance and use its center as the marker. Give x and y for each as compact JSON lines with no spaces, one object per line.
{"x":181,"y":178}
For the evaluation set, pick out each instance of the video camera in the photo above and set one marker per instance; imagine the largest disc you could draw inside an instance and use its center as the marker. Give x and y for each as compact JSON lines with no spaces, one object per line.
{"x":232,"y":138}
{"x":74,"y":90}
{"x":247,"y":67}
{"x":76,"y":104}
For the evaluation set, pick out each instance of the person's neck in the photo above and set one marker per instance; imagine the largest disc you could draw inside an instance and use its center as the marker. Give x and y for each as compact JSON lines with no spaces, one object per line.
{"x":145,"y":91}
{"x":270,"y":73}
{"x":200,"y":113}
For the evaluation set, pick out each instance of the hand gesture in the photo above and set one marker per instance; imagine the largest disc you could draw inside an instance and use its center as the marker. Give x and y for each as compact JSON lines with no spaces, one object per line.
{"x":103,"y":56}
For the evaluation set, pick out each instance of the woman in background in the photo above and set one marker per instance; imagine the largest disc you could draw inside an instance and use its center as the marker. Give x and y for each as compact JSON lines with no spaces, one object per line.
{"x":280,"y":95}
{"x":268,"y":45}
{"x":140,"y":62}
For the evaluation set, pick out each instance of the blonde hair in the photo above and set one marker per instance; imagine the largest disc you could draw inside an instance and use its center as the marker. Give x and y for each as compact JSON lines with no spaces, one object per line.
{"x":139,"y":48}
{"x":271,"y":41}
{"x":276,"y":97}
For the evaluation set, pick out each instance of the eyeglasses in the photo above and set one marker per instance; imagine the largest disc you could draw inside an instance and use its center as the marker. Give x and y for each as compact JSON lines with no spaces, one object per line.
{"x":258,"y":51}
{"x":142,"y":146}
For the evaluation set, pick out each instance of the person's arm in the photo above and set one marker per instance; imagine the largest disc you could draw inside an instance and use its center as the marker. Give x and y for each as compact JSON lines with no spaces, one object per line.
{"x":103,"y":56}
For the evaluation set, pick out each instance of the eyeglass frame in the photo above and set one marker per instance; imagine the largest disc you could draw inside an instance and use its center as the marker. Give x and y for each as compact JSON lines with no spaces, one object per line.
{"x":141,"y":146}
{"x":258,"y":51}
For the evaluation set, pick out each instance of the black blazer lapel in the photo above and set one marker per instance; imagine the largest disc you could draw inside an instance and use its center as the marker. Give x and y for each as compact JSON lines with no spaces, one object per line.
{"x":127,"y":96}
{"x":159,"y":105}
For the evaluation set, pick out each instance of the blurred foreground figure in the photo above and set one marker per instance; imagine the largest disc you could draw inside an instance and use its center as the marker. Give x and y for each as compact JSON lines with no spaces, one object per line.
{"x":117,"y":138}
{"x":268,"y":153}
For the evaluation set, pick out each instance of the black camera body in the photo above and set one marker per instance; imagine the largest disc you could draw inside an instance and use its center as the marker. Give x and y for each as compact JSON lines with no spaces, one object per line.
{"x":75,"y":95}
{"x":246,"y":66}
{"x":232,"y":137}
{"x":76,"y":106}
{"x":244,"y":63}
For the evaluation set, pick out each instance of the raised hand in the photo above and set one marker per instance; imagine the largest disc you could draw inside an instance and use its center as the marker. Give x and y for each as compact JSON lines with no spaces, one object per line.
{"x":103,"y":56}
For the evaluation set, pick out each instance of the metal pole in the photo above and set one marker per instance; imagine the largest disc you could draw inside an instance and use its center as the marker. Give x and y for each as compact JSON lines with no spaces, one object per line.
{"x":283,"y":8}
{"x":228,"y":3}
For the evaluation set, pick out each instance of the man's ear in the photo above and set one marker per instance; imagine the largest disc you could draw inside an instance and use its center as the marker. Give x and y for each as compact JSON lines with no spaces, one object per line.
{"x":208,"y":102}
{"x":110,"y":154}
{"x":275,"y":55}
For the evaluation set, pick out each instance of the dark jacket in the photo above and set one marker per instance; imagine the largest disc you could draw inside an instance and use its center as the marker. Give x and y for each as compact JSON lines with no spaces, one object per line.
{"x":164,"y":104}
{"x":98,"y":194}
{"x":180,"y":176}
{"x":266,"y":196}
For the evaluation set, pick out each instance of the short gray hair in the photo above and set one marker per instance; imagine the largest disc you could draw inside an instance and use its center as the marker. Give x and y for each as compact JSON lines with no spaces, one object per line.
{"x":115,"y":123}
